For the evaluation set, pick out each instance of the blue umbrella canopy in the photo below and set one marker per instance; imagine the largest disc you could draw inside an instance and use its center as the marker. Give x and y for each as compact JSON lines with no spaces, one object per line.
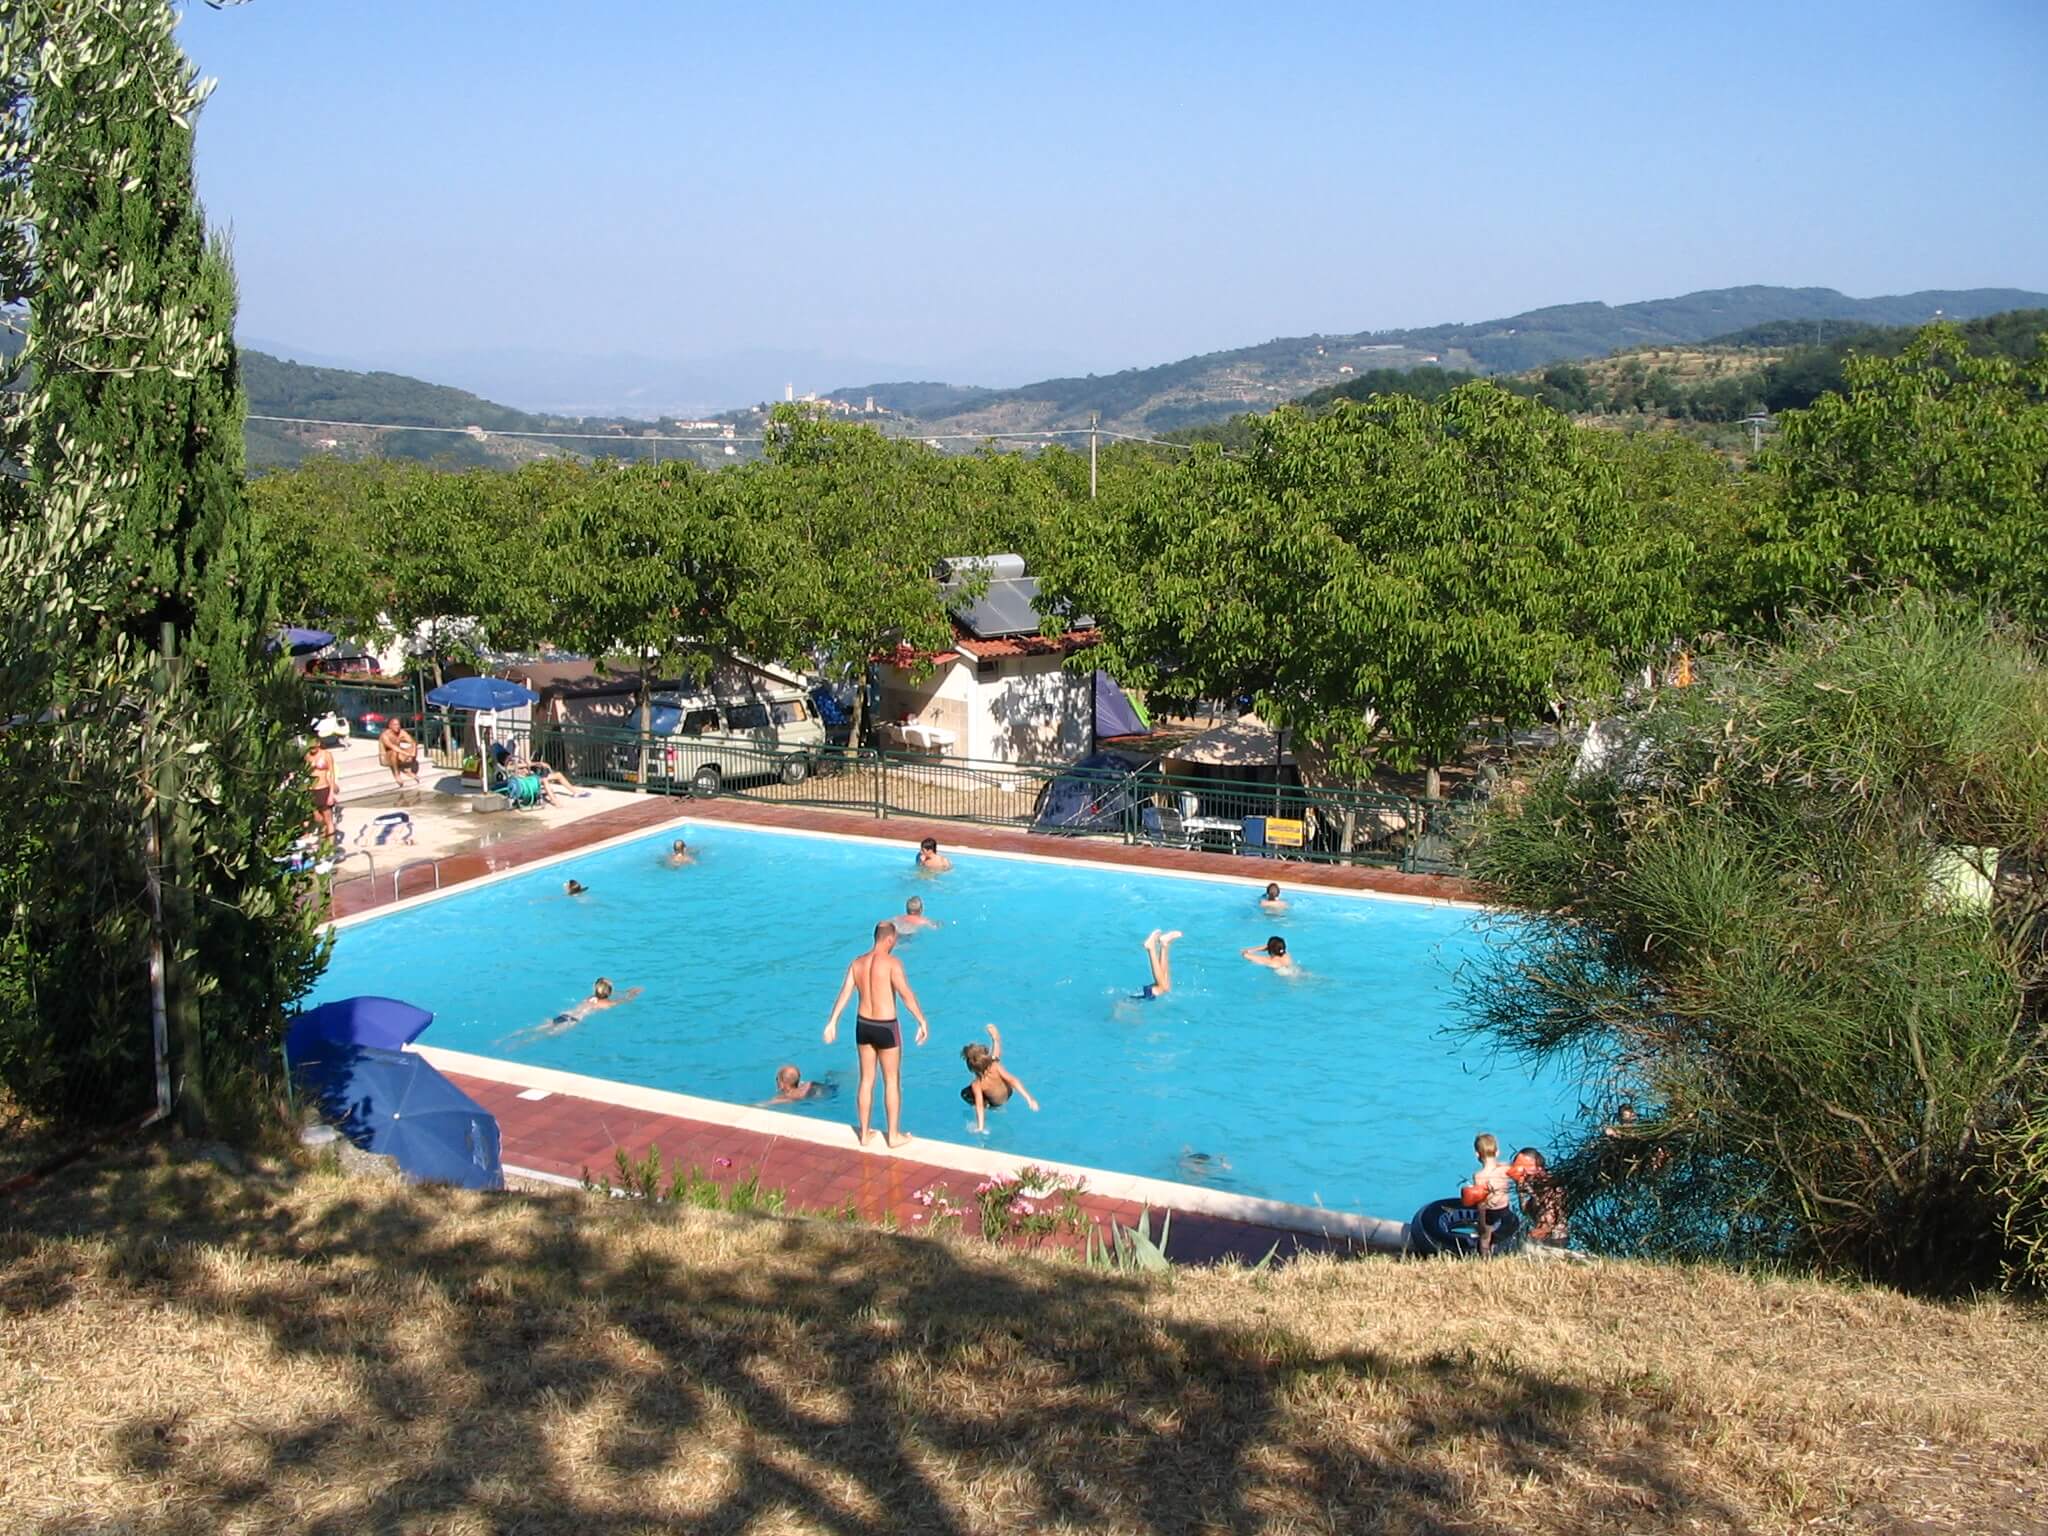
{"x":481,"y":693}
{"x":301,"y":642}
{"x":379,"y":1021}
{"x":393,"y":1103}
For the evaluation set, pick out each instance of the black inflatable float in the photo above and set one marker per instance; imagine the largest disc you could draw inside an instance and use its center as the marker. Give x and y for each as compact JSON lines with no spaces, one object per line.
{"x":1451,"y":1226}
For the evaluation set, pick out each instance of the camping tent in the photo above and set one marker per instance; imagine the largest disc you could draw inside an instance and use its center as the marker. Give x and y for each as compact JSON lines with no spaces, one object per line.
{"x":1247,"y":742}
{"x":1115,"y":714}
{"x":1091,"y":795}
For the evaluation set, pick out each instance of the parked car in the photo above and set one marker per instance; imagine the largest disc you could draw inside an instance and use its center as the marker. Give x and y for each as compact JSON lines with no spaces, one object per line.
{"x":343,"y":666}
{"x":371,"y":722}
{"x":705,"y":741}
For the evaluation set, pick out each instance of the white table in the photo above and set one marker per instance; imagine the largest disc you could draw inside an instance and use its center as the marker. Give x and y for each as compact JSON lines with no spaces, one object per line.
{"x":1202,"y":828}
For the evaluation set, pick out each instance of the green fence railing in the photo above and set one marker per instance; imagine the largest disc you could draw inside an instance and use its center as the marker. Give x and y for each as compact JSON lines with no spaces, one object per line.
{"x":1351,"y":826}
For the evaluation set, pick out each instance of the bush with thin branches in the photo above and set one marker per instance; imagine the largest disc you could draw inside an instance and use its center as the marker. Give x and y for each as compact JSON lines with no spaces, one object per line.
{"x":1797,"y":916}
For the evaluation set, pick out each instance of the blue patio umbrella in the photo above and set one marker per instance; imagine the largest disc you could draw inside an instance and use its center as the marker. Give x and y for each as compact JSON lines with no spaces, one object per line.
{"x":379,"y":1021}
{"x":395,"y":1104}
{"x":482,"y":693}
{"x":301,"y":642}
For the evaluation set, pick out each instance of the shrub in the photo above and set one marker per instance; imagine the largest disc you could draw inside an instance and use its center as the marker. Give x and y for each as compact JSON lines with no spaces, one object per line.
{"x":1761,"y":921}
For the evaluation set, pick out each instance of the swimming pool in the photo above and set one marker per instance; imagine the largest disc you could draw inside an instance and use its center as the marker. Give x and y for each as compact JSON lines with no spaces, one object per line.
{"x":1338,"y":1087}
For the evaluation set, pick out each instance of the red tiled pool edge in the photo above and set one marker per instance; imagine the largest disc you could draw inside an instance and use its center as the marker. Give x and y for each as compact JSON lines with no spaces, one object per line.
{"x":567,"y":1137}
{"x":364,"y":895}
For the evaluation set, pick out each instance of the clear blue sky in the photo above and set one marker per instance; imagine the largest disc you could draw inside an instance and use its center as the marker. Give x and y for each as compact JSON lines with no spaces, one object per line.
{"x":1095,"y":187}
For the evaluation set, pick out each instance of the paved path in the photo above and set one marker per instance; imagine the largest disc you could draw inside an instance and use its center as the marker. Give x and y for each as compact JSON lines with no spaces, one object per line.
{"x":655,"y":810}
{"x":565,"y":1137}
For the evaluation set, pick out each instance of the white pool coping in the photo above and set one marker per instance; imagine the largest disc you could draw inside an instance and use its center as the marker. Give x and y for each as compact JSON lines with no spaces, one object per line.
{"x":961,"y":850}
{"x":1372,"y":1232}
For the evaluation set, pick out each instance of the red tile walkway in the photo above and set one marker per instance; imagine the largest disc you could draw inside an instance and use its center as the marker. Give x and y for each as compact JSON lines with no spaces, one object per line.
{"x":568,"y":1136}
{"x":357,"y":896}
{"x":565,"y":1135}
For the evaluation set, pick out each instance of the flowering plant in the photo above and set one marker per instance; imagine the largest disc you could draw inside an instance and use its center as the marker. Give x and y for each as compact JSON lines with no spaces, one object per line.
{"x":1033,"y":1202}
{"x":944,"y":1215}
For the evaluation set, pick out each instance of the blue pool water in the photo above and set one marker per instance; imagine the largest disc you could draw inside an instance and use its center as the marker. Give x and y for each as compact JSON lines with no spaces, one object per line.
{"x":1338,"y":1087}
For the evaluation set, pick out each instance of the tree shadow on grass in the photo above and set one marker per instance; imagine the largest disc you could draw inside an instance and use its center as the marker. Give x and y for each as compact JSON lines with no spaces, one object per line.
{"x":550,"y":1365}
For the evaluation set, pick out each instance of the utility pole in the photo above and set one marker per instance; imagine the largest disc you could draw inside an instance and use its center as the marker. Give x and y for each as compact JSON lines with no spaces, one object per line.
{"x":1093,"y":418}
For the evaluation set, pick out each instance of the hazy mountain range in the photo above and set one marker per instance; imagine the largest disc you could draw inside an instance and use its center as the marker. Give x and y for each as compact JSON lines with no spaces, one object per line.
{"x":553,"y":388}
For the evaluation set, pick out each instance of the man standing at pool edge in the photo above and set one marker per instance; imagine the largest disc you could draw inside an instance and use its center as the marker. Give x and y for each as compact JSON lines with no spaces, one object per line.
{"x":878,"y":977}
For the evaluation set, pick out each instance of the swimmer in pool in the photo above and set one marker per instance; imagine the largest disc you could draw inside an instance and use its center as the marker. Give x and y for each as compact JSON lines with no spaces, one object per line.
{"x":576,"y":888}
{"x":929,"y":860}
{"x":601,"y":997}
{"x":679,"y":854}
{"x":1272,"y":954}
{"x":1272,"y":900}
{"x":993,"y":1082}
{"x":1199,"y":1167}
{"x":913,"y":917}
{"x":1158,"y":947}
{"x":790,"y":1088}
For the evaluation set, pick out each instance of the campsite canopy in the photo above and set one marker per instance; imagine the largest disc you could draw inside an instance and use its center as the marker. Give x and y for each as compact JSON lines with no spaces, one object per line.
{"x":1247,"y":742}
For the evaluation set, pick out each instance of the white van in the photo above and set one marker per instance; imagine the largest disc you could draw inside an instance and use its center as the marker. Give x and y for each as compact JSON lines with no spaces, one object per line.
{"x":706,"y":741}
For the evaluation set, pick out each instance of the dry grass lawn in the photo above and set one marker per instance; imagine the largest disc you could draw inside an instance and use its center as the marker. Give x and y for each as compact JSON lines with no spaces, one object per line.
{"x":182,"y":1351}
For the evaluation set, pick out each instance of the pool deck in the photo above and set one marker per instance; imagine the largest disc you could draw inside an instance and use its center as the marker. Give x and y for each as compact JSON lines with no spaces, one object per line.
{"x":660,"y":810}
{"x":558,"y":1126}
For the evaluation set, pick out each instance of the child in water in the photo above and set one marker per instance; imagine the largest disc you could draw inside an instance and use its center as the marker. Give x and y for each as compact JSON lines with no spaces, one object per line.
{"x":993,"y":1082}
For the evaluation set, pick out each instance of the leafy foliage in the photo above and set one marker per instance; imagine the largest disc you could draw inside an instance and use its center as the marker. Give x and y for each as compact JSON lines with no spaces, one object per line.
{"x":1379,"y":575}
{"x":1751,"y":928}
{"x":1928,"y":469}
{"x":144,"y":703}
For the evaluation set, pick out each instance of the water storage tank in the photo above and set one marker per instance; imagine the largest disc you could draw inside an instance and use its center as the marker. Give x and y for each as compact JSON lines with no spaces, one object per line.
{"x":998,"y":567}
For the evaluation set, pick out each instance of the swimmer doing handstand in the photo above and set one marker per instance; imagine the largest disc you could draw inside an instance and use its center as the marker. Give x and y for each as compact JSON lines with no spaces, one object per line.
{"x":1158,"y":950}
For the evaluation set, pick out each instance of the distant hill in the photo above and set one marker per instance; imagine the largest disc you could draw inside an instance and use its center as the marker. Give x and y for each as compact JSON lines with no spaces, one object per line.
{"x":1217,"y":385}
{"x":279,"y":388}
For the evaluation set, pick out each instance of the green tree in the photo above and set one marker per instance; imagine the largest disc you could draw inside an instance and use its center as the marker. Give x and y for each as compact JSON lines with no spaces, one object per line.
{"x":1379,"y":576}
{"x":1764,"y":920}
{"x":645,"y":570}
{"x":840,"y":529}
{"x":156,"y":777}
{"x":1925,"y":469}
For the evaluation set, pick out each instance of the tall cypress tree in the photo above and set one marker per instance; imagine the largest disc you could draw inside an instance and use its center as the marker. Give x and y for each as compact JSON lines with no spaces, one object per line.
{"x":143,"y":381}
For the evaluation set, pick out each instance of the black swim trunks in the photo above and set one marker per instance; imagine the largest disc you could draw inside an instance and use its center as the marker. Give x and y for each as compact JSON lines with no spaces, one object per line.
{"x":882,"y":1034}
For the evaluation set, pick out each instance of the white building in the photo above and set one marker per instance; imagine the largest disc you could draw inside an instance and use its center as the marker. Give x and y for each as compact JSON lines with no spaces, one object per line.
{"x":1002,"y":694}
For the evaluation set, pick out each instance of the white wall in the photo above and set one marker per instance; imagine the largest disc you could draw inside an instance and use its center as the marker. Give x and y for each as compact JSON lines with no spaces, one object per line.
{"x":1031,"y":710}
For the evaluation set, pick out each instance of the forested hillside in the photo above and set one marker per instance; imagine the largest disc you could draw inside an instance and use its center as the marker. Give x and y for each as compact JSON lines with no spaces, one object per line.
{"x":338,"y":395}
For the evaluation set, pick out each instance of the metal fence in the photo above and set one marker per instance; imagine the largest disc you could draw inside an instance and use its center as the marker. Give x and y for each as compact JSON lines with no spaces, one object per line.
{"x":1351,"y":826}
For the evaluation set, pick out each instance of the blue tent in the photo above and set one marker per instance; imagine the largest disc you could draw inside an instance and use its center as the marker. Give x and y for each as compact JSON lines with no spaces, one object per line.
{"x":1115,"y":714}
{"x":482,"y":693}
{"x":300,"y":642}
{"x":379,"y":1021}
{"x":1092,"y":795}
{"x":395,"y":1104}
